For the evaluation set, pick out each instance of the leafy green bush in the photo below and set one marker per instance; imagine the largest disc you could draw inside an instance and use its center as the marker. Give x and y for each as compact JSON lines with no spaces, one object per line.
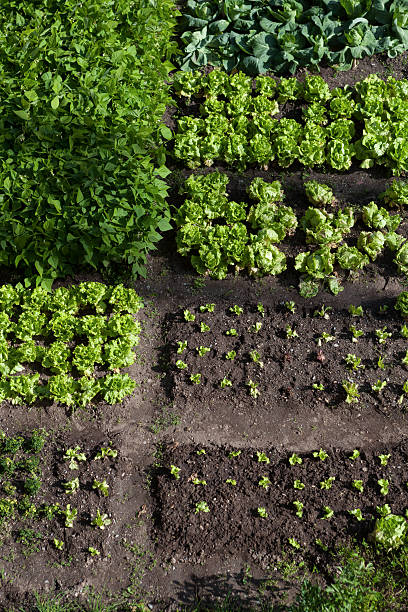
{"x":83,"y":92}
{"x":402,"y":303}
{"x":278,"y":36}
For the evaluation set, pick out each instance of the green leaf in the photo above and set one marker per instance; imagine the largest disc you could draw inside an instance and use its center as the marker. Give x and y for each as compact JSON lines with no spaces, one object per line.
{"x":22,"y":114}
{"x":55,"y":103}
{"x":166,"y":132}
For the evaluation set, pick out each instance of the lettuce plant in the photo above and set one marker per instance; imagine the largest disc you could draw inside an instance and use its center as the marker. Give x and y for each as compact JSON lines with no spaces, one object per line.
{"x":318,"y":194}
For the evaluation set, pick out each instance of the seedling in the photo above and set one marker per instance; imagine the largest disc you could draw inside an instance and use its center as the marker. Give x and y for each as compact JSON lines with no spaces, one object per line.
{"x":70,"y":515}
{"x":351,"y":390}
{"x":197,"y":481}
{"x":94,"y":552}
{"x":231,"y":355}
{"x":264,"y":482}
{"x":262,"y":458}
{"x":203,"y":350}
{"x":356,"y":311}
{"x":201,"y":451}
{"x":175,"y":471}
{"x":357,"y":514}
{"x":207,"y":308}
{"x":256,"y":358}
{"x":59,"y":544}
{"x":235,"y":454}
{"x":294,"y":543}
{"x":324,"y":337}
{"x":379,"y":386}
{"x":189,"y":316}
{"x":328,"y":512}
{"x":181,"y":365}
{"x":321,"y":454}
{"x":353,"y":362}
{"x":201,"y":506}
{"x":231,"y":332}
{"x":204,"y":327}
{"x":291,"y":333}
{"x":231,"y":481}
{"x":74,"y":455}
{"x":182,"y":345}
{"x":381,"y":363}
{"x":261,"y":309}
{"x":294,"y":459}
{"x":101,"y":486}
{"x":262,"y":512}
{"x":256,"y":327}
{"x":328,"y":483}
{"x":236,"y":310}
{"x":385,"y":485}
{"x":71,"y":486}
{"x":405,"y":390}
{"x":382,"y":335}
{"x":297,"y":484}
{"x":101,"y":520}
{"x":323,"y":312}
{"x":404,"y":331}
{"x":299,"y":508}
{"x":384,"y":510}
{"x":253,"y":388}
{"x":354,"y":455}
{"x":384,"y":459}
{"x":225,"y":383}
{"x":195,"y":378}
{"x":318,"y":386}
{"x":106,"y":452}
{"x":291,"y":306}
{"x":356,"y":333}
{"x":358,"y":484}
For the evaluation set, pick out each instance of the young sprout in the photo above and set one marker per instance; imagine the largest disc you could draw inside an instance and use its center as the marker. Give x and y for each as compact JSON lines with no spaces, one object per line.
{"x":384,"y":459}
{"x":231,"y":332}
{"x":291,"y":333}
{"x":404,"y":331}
{"x":182,"y":345}
{"x":188,"y":316}
{"x":202,"y":350}
{"x":256,"y":358}
{"x":294,"y":459}
{"x":261,"y":309}
{"x":355,"y":454}
{"x":262,"y":458}
{"x":353,"y":362}
{"x":384,"y":308}
{"x":59,"y":544}
{"x":297,"y":484}
{"x":70,"y":515}
{"x":195,"y":378}
{"x":175,"y":471}
{"x":225,"y":383}
{"x":207,"y":308}
{"x":321,"y":454}
{"x":291,"y":306}
{"x":351,"y":390}
{"x":264,"y":482}
{"x":357,"y":513}
{"x":256,"y":327}
{"x":381,"y":363}
{"x":358,"y":484}
{"x":356,"y":311}
{"x":71,"y":486}
{"x":181,"y":365}
{"x":101,"y":486}
{"x":404,"y":360}
{"x":253,"y":388}
{"x":197,"y":481}
{"x":235,"y":454}
{"x":379,"y":386}
{"x":328,"y":512}
{"x":101,"y":520}
{"x":204,"y":327}
{"x":201,"y":451}
{"x":323,"y":312}
{"x":94,"y":552}
{"x":201,"y":506}
{"x":356,"y":333}
{"x":382,"y":335}
{"x":231,"y":481}
{"x":384,"y":484}
{"x":262,"y":512}
{"x":318,"y":386}
{"x":231,"y":355}
{"x":236,"y":310}
{"x":328,"y":483}
{"x":294,"y":543}
{"x":384,"y":510}
{"x":74,"y":455}
{"x":325,"y":337}
{"x":299,"y":508}
{"x":405,"y":390}
{"x":106,"y":451}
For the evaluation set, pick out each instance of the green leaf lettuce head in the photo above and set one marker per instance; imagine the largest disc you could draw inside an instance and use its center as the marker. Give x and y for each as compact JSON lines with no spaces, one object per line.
{"x":318,"y":194}
{"x":350,"y":258}
{"x":396,"y":194}
{"x":372,"y":243}
{"x":390,"y":531}
{"x":317,"y":264}
{"x":402,"y":303}
{"x":401,"y":259}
